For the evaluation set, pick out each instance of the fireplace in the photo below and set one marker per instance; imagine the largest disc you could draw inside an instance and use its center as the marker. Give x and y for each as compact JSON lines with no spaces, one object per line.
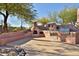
{"x":35,"y":32}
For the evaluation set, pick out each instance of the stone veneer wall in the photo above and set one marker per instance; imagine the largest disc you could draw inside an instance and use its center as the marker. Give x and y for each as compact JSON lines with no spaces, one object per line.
{"x":13,"y":36}
{"x":77,"y":37}
{"x":72,"y":38}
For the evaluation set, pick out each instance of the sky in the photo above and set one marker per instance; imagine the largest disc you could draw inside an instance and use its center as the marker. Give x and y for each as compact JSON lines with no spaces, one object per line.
{"x":43,"y":9}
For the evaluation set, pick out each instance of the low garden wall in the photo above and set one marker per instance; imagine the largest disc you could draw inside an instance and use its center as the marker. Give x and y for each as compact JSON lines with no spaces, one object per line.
{"x":13,"y":36}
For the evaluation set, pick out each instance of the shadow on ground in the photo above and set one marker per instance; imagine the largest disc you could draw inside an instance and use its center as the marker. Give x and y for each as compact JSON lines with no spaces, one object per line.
{"x":20,"y":42}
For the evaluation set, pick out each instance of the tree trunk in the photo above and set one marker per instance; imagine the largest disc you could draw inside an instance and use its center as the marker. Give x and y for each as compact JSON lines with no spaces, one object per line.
{"x":21,"y":25}
{"x":5,"y":27}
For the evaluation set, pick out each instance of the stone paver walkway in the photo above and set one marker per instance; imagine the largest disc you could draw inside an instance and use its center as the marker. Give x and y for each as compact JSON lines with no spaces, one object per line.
{"x":47,"y":47}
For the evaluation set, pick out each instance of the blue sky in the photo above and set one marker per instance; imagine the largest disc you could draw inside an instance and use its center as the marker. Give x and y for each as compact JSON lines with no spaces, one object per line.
{"x":43,"y":10}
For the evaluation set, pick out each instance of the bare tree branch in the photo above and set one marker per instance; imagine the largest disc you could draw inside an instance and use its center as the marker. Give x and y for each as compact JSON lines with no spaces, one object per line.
{"x":2,"y":14}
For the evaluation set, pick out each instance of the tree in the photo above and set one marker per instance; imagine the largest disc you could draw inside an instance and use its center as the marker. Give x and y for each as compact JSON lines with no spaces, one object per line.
{"x":21,"y":24}
{"x":53,"y":16}
{"x":43,"y":20}
{"x":68,"y":15}
{"x":23,"y":11}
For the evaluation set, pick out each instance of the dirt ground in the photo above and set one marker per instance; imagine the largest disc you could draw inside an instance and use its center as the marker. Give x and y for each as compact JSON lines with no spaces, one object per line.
{"x":47,"y":47}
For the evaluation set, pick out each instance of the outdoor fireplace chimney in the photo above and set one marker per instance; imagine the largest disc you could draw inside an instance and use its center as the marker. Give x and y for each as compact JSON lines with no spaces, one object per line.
{"x":77,"y":15}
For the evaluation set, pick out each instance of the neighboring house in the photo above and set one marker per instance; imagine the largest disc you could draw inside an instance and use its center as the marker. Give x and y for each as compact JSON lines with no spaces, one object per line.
{"x":52,"y":26}
{"x":67,"y":28}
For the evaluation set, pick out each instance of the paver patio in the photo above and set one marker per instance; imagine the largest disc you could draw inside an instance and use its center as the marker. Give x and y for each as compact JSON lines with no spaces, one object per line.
{"x":47,"y":47}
